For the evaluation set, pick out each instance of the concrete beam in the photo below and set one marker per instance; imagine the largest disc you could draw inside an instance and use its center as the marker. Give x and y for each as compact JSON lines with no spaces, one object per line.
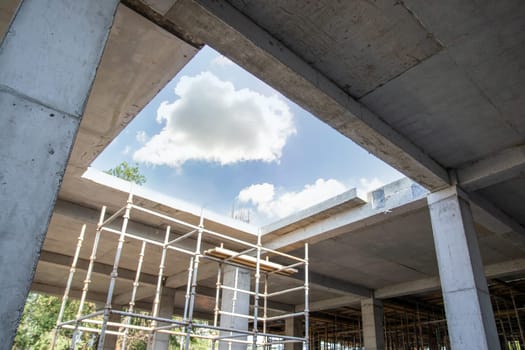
{"x":90,"y":216}
{"x":333,"y":303}
{"x":497,"y":168}
{"x":432,"y":283}
{"x":76,"y":293}
{"x":98,"y":268}
{"x":335,"y":285}
{"x":226,"y":29}
{"x":516,"y":233}
{"x":398,"y":198}
{"x":415,"y":287}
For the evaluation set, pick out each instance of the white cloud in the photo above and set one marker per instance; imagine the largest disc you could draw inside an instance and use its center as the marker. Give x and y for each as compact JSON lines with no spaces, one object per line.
{"x":212,"y":121}
{"x":367,"y":185}
{"x":263,"y":197}
{"x":142,"y":137}
{"x":222,"y":61}
{"x":126,"y":150}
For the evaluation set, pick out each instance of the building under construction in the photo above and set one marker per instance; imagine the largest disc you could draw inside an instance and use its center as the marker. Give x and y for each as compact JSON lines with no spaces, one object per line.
{"x":432,"y":261}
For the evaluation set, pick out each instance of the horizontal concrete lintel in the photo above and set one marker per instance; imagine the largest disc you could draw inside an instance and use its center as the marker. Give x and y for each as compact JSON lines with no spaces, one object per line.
{"x":494,"y":169}
{"x":349,"y":220}
{"x":98,"y":268}
{"x":432,"y":283}
{"x":331,"y":284}
{"x":333,"y":303}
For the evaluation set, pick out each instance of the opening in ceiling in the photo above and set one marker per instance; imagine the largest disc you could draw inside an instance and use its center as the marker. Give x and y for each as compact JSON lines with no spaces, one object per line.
{"x":219,"y":138}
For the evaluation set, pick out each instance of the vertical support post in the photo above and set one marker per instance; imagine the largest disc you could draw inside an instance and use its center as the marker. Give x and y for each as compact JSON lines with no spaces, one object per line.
{"x":265,"y":315}
{"x":256,"y":291}
{"x":42,"y":97}
{"x":160,"y":279}
{"x":89,"y":271}
{"x":114,"y":272}
{"x":306,"y":297}
{"x":217,"y":296}
{"x":470,"y":317}
{"x":372,"y":316}
{"x":194,"y":281}
{"x":65,"y":298}
{"x":136,"y":284}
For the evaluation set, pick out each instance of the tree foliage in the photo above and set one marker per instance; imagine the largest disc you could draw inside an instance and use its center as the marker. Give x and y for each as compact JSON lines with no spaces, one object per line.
{"x":38,"y":321}
{"x":128,"y":172}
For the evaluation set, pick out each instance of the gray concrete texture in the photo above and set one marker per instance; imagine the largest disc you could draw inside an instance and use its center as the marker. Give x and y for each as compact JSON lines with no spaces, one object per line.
{"x":45,"y":101}
{"x":434,"y":89}
{"x":470,"y":318}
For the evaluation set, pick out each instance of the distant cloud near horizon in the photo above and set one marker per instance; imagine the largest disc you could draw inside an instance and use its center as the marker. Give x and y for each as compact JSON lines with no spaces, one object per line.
{"x":278,"y":205}
{"x":222,"y":61}
{"x":267,"y":201}
{"x":212,"y":121}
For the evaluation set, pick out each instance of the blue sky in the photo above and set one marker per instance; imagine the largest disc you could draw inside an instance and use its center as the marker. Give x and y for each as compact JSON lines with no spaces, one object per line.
{"x":216,"y":135}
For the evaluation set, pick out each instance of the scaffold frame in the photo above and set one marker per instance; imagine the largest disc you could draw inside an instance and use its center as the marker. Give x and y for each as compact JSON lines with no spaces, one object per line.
{"x":254,"y":257}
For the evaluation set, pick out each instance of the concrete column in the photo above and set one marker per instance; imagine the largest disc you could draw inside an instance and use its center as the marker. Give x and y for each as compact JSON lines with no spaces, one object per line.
{"x":110,"y":341}
{"x":235,"y":302}
{"x":161,"y":341}
{"x":48,"y":60}
{"x":470,"y":318}
{"x":372,"y":316}
{"x":293,"y":326}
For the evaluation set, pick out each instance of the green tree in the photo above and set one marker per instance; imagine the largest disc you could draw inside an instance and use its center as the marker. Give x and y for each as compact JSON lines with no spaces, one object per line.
{"x":39,"y":319}
{"x":128,"y":173}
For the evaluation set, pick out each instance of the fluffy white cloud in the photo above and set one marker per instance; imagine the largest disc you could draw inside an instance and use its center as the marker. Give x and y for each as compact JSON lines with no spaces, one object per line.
{"x":222,"y":61}
{"x":212,"y":121}
{"x":142,"y":136}
{"x":264,"y":198}
{"x":367,"y":185}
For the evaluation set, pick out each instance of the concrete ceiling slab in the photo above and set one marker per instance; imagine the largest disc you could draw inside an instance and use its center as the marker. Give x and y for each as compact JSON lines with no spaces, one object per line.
{"x":139,"y":59}
{"x":509,"y":196}
{"x":358,"y":44}
{"x":420,"y":104}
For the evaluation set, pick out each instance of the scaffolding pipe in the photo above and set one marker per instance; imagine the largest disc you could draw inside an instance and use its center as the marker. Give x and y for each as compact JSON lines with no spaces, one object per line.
{"x":217,"y":295}
{"x":258,"y":338}
{"x":188,"y":290}
{"x":87,"y":280}
{"x":136,"y":284}
{"x":65,"y":297}
{"x":306,"y":296}
{"x":114,"y":272}
{"x":194,"y":279}
{"x":256,"y":297}
{"x":162,"y":266}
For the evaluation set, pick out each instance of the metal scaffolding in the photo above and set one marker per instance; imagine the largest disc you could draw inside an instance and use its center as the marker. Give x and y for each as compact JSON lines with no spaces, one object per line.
{"x":252,"y":257}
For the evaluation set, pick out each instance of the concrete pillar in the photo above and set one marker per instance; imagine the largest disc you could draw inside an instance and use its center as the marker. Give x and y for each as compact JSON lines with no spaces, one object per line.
{"x":470,"y":318}
{"x":372,"y":316}
{"x":110,"y":341}
{"x":161,"y":341}
{"x":293,"y":326}
{"x":48,"y":60}
{"x":235,"y":302}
